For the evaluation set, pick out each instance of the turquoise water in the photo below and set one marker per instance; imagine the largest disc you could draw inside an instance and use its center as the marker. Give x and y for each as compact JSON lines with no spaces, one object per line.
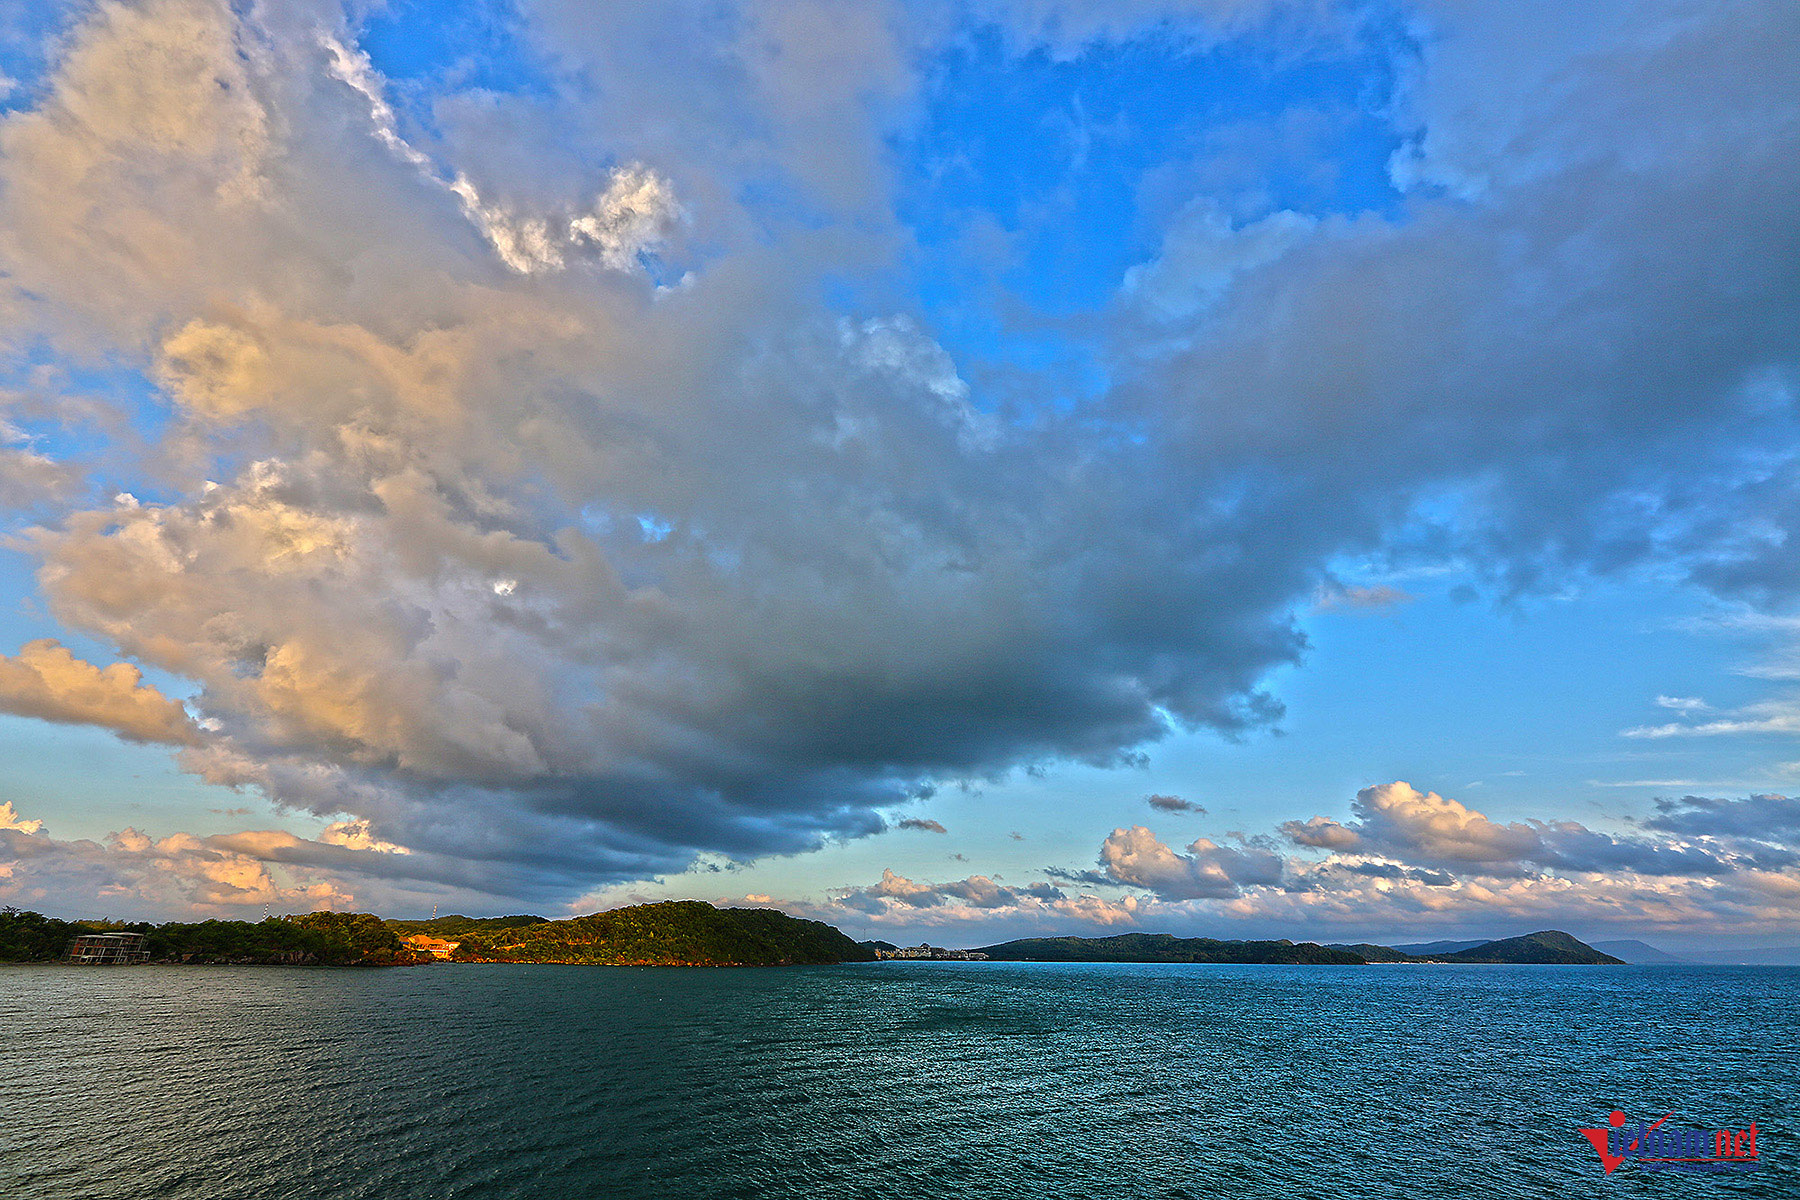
{"x":881,"y":1080}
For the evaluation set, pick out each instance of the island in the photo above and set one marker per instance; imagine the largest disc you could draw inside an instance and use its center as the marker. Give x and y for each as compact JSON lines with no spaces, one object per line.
{"x":1167,"y":948}
{"x":671,"y":933}
{"x":689,"y":933}
{"x":1547,"y":946}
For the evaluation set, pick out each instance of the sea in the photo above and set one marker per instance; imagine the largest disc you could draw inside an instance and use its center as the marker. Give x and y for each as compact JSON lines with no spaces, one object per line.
{"x":895,"y":1080}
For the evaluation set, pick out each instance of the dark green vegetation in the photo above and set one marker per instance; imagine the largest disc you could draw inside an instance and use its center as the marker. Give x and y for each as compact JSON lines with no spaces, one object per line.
{"x":672,"y":933}
{"x":313,"y":939}
{"x":33,"y":937}
{"x":1369,"y":952}
{"x":1166,"y":948}
{"x":454,"y":927}
{"x":686,"y":933}
{"x":1548,"y":946}
{"x":1545,"y":946}
{"x":683,"y":932}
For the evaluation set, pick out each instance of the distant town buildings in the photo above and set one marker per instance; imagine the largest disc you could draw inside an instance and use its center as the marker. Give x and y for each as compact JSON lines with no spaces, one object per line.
{"x":424,"y":943}
{"x":113,"y":949}
{"x":936,"y":953}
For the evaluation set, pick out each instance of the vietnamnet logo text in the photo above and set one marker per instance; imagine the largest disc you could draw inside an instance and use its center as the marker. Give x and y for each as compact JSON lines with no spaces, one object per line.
{"x":1662,"y":1147}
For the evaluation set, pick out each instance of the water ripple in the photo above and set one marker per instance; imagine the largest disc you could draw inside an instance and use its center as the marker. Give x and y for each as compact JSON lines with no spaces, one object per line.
{"x":988,"y":1080}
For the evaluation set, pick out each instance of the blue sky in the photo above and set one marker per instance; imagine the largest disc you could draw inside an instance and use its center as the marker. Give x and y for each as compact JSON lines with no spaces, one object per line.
{"x":518,"y":457}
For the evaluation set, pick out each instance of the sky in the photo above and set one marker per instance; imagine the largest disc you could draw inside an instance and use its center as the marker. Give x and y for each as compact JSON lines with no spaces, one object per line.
{"x":956,"y":469}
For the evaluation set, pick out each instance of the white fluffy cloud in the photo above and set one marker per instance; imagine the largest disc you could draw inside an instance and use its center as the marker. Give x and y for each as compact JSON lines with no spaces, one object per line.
{"x":10,"y":819}
{"x":134,"y":874}
{"x":1136,"y":856}
{"x":1424,"y":828}
{"x":131,"y":874}
{"x":46,"y":681}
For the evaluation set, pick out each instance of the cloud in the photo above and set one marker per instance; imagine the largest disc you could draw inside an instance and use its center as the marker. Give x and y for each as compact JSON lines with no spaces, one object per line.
{"x":1173,"y":804}
{"x":1337,"y":899}
{"x":975,"y":892}
{"x":1397,"y":816}
{"x":921,"y":824}
{"x":1399,"y":821}
{"x":1202,"y":256}
{"x":1135,"y":856}
{"x":1321,"y":833}
{"x":1376,"y":597}
{"x":46,"y":681}
{"x":582,"y":574}
{"x":29,"y":478}
{"x":407,"y":564}
{"x":10,"y":819}
{"x":1764,"y":817}
{"x":130,"y":873}
{"x":1511,"y":125}
{"x":635,"y":212}
{"x":1769,"y":716}
{"x":358,"y":835}
{"x":1067,"y":27}
{"x":897,"y":900}
{"x":1411,"y":861}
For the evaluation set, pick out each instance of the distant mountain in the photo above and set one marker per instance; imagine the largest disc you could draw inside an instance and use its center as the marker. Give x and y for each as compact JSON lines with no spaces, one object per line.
{"x":1165,"y":948}
{"x":1545,"y":946}
{"x":879,"y":945}
{"x":457,"y":926}
{"x":672,"y":933}
{"x":1369,"y":952}
{"x":1638,"y":953}
{"x":1425,"y":949}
